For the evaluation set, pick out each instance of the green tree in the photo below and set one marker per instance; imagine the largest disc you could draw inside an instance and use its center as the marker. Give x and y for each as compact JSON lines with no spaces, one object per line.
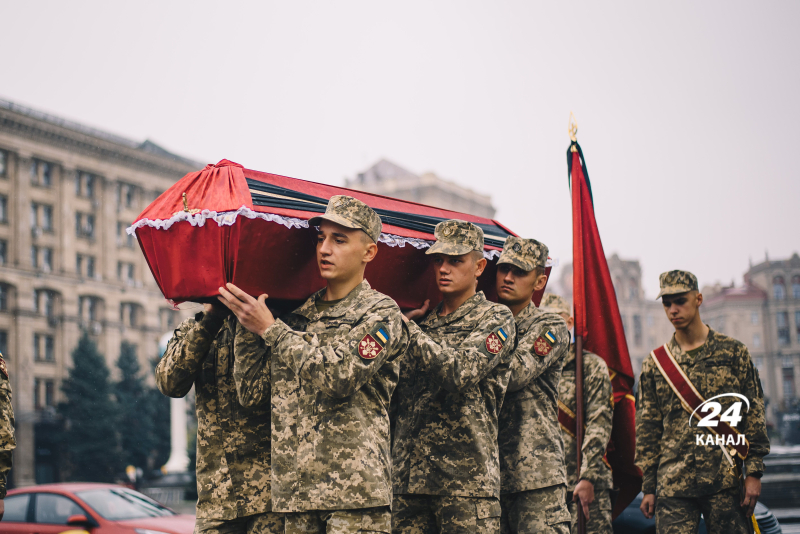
{"x":136,"y":424}
{"x":90,"y":417}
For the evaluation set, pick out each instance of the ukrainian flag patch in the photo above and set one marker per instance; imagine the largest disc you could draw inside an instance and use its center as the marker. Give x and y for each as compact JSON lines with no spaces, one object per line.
{"x":550,"y":337}
{"x":502,"y":335}
{"x":382,"y":336}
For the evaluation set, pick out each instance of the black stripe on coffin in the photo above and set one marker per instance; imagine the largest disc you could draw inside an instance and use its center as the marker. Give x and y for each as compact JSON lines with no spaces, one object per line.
{"x":493,"y":235}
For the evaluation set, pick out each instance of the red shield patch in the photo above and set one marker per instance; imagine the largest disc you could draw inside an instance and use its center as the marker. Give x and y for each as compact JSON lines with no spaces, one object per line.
{"x":368,"y":348}
{"x":541,"y":346}
{"x":494,"y":344}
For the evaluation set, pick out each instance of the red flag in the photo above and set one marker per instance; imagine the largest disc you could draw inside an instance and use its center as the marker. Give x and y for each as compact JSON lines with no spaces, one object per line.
{"x":598,"y":321}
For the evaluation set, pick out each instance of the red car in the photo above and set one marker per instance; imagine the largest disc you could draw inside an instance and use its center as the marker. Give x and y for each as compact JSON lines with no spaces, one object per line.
{"x":97,"y":508}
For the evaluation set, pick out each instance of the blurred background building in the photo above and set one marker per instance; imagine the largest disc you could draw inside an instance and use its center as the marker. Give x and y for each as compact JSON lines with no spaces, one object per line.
{"x":67,"y":194}
{"x":763,"y":313}
{"x":386,"y":178}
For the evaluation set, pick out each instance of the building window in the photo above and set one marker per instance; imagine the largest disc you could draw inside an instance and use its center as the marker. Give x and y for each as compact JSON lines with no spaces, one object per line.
{"x":637,"y":330}
{"x":624,"y":324}
{"x":125,"y":272}
{"x":35,"y":257}
{"x":42,"y":258}
{"x":169,"y":319}
{"x":3,"y":164}
{"x":42,"y":216}
{"x":778,"y":288}
{"x":49,"y":393}
{"x":126,"y":195}
{"x":88,"y":308}
{"x":796,"y":286}
{"x":3,"y":252}
{"x":788,"y":384}
{"x":759,"y":363}
{"x":754,"y":318}
{"x":86,"y":184}
{"x":3,"y":297}
{"x":797,"y":324}
{"x":84,"y":265}
{"x":44,"y":348}
{"x":44,"y":393}
{"x":782,"y":321}
{"x":84,"y":225}
{"x":4,"y":343}
{"x":44,"y":302}
{"x":124,"y":239}
{"x":41,"y":173}
{"x":756,"y":340}
{"x":3,"y":209}
{"x":129,"y":314}
{"x":650,"y":320}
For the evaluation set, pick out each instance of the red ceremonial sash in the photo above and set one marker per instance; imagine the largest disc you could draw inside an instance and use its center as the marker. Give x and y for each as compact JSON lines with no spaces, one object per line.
{"x":691,"y":400}
{"x":566,"y":418}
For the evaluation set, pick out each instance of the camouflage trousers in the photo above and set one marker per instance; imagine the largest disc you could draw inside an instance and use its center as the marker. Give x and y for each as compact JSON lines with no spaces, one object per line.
{"x":599,"y":521}
{"x":267,"y":523}
{"x":363,"y":520}
{"x":445,"y":514}
{"x":721,"y":511}
{"x":540,"y":510}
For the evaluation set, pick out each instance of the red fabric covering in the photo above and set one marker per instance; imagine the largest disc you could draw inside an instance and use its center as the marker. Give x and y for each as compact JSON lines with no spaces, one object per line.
{"x":190,"y":263}
{"x":598,"y":321}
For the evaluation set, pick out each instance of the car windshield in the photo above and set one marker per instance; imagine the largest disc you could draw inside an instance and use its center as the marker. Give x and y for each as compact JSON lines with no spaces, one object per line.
{"x":118,"y":504}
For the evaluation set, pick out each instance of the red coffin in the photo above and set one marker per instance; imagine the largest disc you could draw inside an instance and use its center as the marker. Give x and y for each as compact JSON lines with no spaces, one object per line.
{"x":250,"y":228}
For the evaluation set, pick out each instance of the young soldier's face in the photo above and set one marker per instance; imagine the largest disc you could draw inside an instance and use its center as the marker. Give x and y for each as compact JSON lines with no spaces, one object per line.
{"x":342,"y":252}
{"x":456,"y":274}
{"x":682,"y":308}
{"x":515,"y":285}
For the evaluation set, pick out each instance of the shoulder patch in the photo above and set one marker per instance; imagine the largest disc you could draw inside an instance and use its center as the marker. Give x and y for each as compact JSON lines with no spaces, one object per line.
{"x":544,"y":344}
{"x":496,"y":340}
{"x":373,"y":343}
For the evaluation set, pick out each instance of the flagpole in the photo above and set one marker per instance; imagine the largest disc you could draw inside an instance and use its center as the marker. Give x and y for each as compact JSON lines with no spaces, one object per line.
{"x":579,"y":415}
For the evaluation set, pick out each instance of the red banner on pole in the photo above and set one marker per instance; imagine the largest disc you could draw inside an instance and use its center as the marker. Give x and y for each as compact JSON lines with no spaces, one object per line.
{"x":598,"y":322}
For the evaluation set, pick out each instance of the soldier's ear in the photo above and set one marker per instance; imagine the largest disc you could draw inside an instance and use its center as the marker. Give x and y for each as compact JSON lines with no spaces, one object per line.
{"x":370,"y":252}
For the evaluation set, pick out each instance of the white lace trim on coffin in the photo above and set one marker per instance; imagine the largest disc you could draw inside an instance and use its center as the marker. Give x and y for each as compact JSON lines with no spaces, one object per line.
{"x":227,"y":218}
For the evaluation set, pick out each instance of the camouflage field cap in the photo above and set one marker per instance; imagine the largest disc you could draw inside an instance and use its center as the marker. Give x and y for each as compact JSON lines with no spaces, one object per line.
{"x":527,"y":254}
{"x":674,"y":282}
{"x":351,"y":213}
{"x":456,"y":237}
{"x":555,"y":304}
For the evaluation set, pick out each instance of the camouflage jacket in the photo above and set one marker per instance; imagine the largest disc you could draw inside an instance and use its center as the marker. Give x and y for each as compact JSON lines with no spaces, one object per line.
{"x":531,"y":449}
{"x":598,"y":400}
{"x":233,"y":442}
{"x":453,"y":380}
{"x":673,"y":464}
{"x":333,"y":374}
{"x":7,"y":441}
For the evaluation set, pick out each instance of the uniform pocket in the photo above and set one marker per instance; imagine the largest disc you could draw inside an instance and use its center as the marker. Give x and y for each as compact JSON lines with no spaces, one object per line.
{"x":488,"y":508}
{"x":377,"y":520}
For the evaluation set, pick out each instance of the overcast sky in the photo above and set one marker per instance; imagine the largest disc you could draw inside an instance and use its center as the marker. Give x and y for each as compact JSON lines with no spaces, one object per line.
{"x":688,"y":112}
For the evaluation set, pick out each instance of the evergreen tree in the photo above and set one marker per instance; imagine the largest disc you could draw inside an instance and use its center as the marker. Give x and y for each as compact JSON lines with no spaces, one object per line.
{"x":90,"y":417}
{"x":136,"y":424}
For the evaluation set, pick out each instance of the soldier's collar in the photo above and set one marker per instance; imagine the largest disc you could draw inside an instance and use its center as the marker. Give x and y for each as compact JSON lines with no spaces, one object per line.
{"x":309,"y":308}
{"x":708,"y":348}
{"x":466,"y":307}
{"x":526,"y":312}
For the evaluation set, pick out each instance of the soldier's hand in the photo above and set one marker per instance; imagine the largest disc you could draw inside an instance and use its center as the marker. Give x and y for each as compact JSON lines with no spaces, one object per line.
{"x":648,"y":506}
{"x":413,"y":315}
{"x":584,"y":495}
{"x":252,"y":313}
{"x":752,"y":491}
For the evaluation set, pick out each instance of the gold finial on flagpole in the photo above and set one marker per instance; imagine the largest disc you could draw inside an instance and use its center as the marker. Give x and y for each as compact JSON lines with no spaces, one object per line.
{"x":572,"y":128}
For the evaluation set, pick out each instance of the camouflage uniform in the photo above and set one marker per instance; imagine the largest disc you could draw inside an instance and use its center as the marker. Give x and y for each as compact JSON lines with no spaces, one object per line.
{"x":233,"y":442}
{"x":688,"y":478}
{"x":531,"y":450}
{"x":599,"y":414}
{"x":7,"y":441}
{"x":453,"y":380}
{"x":332,"y":377}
